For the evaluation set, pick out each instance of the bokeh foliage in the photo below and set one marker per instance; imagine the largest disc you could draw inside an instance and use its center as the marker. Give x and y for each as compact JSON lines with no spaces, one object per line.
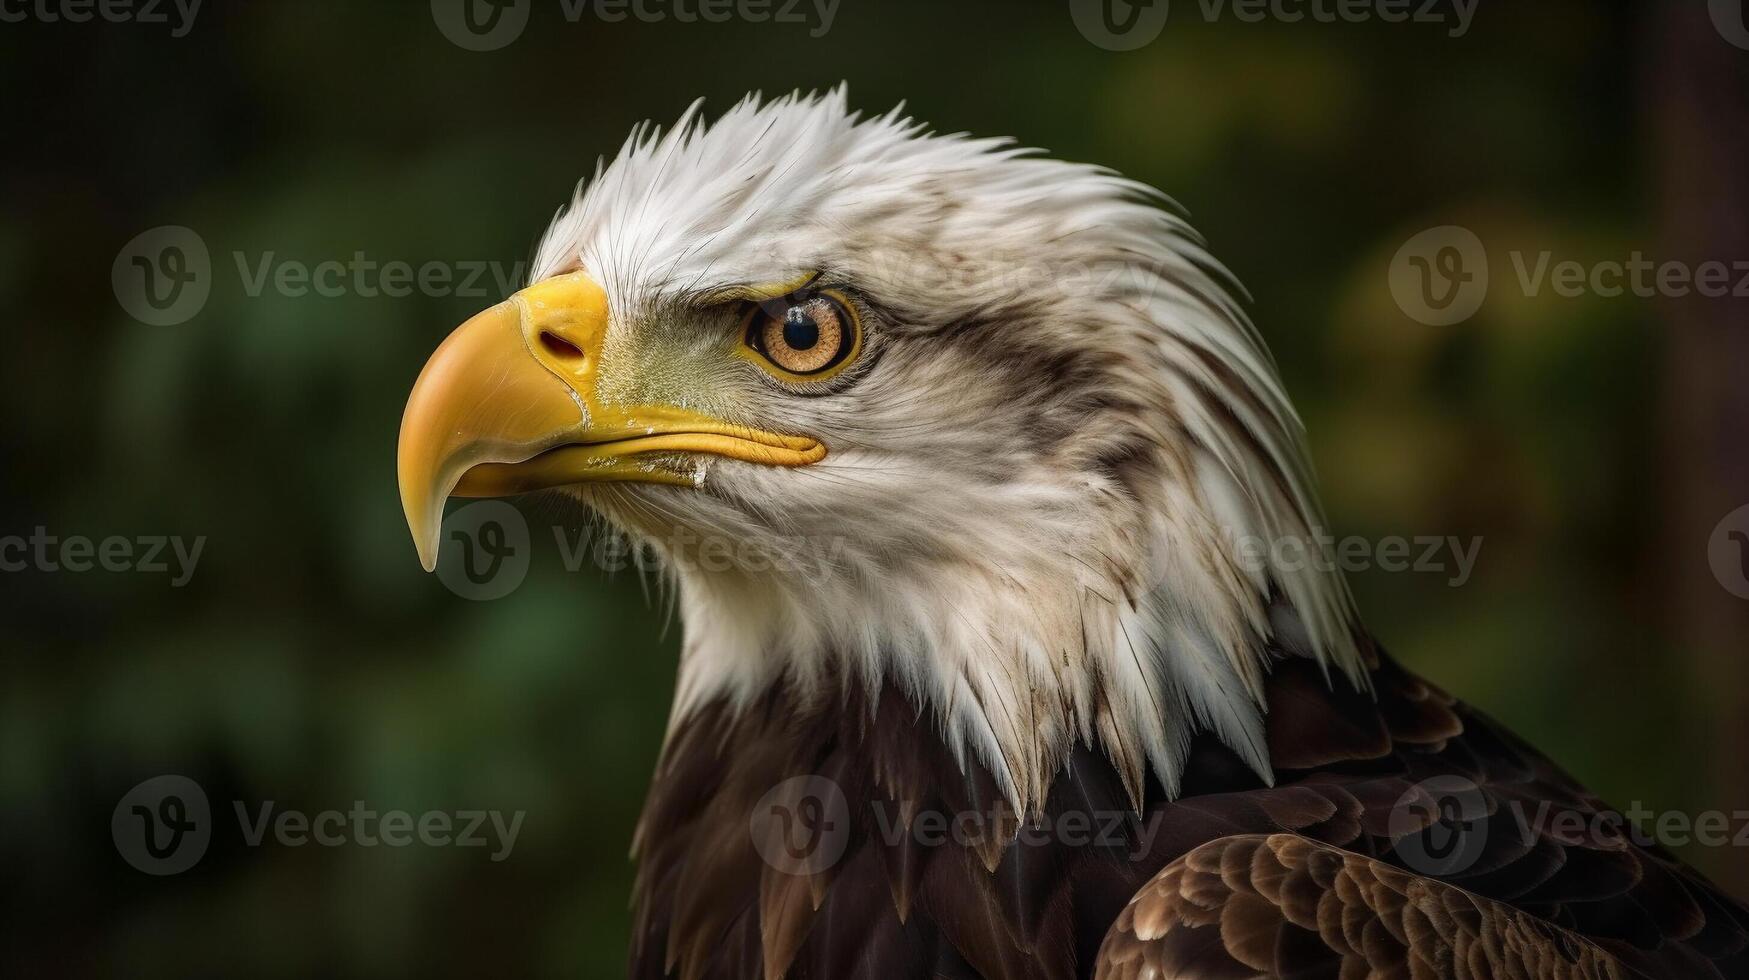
{"x":312,"y":663}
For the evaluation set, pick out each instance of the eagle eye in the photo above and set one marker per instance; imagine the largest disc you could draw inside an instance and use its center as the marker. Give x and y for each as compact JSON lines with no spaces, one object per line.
{"x":804,"y":337}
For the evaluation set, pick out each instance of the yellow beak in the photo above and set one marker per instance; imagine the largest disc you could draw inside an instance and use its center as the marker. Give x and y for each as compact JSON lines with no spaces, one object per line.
{"x":508,"y":404}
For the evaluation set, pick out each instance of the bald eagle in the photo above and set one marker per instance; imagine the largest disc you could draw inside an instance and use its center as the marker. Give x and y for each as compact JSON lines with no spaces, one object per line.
{"x":981,"y":681}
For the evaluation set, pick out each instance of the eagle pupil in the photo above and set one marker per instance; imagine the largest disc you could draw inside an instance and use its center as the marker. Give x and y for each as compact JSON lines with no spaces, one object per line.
{"x":800,"y":331}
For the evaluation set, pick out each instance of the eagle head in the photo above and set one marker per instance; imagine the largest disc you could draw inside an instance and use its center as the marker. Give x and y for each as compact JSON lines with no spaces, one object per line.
{"x":898,"y":408}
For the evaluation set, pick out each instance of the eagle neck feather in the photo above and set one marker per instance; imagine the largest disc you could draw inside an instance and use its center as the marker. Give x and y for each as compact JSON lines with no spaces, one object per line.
{"x":1013,"y":664}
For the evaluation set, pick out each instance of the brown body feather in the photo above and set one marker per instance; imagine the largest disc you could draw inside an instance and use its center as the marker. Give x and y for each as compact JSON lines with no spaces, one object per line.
{"x":1317,"y":875}
{"x":1285,"y":906}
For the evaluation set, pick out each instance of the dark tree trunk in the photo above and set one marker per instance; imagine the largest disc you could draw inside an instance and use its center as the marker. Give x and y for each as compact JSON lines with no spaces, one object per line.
{"x":1697,"y":103}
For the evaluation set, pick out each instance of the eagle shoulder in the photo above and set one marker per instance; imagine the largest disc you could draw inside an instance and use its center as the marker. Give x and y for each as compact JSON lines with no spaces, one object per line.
{"x":1280,"y":905}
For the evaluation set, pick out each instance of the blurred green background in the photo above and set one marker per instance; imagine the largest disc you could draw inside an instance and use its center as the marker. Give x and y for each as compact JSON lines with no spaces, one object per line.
{"x":1593,"y":444}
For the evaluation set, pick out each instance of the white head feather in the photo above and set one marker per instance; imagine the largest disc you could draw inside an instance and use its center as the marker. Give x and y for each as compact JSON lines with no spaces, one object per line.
{"x":1037,"y":482}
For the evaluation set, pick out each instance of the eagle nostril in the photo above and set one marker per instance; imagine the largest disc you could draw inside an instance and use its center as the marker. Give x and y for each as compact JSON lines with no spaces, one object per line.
{"x":561,"y":348}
